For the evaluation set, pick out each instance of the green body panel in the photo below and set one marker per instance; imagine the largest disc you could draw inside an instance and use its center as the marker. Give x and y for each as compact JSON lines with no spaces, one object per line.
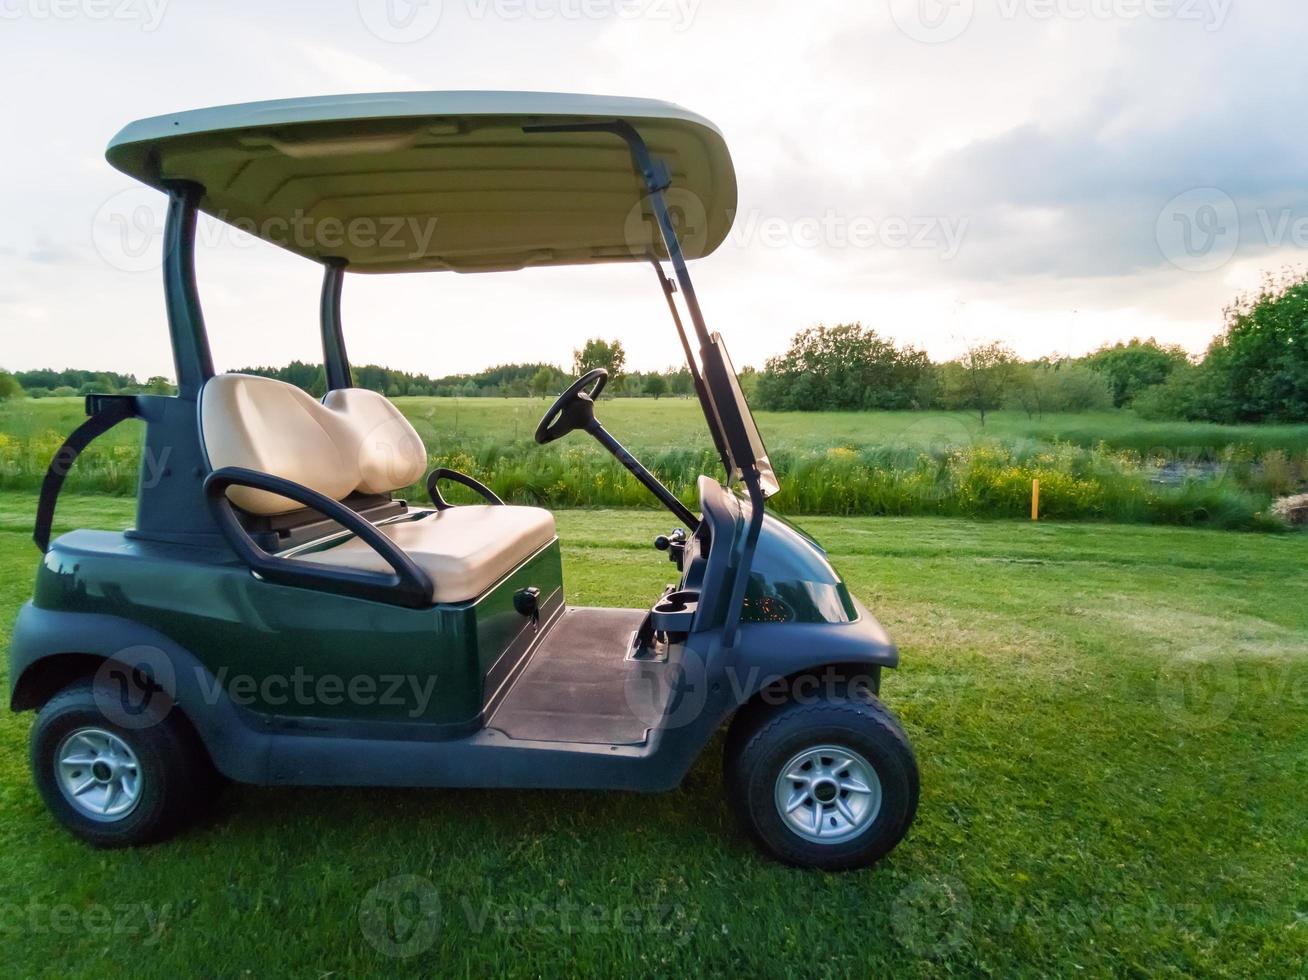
{"x":791,"y":581}
{"x":298,"y":652}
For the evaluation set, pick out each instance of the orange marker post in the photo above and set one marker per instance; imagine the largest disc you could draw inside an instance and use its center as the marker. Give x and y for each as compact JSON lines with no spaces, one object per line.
{"x":1035,"y":500}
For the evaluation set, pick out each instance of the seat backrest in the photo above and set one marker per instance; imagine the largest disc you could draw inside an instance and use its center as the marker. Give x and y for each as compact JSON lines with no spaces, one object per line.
{"x":390,"y":454}
{"x":355,"y":440}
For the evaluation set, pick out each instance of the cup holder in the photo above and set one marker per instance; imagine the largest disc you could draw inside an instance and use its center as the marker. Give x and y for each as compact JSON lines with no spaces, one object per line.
{"x":675,"y":612}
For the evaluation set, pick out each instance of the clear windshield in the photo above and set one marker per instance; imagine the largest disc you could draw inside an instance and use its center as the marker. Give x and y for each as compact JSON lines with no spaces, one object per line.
{"x":748,"y":445}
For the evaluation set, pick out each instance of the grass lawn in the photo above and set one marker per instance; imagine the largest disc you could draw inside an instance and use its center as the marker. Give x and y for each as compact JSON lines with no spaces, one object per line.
{"x":1109,"y":721}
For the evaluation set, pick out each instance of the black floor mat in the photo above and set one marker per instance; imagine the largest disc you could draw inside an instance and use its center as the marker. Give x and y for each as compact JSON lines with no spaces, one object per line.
{"x":579,"y":687}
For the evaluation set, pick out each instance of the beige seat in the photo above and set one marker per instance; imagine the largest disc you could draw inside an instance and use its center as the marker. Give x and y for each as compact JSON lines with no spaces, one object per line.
{"x":465,"y":550}
{"x":357,"y":441}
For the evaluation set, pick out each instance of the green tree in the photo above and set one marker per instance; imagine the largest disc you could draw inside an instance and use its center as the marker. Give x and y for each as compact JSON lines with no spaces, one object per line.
{"x":1058,"y":385}
{"x":655,"y":385}
{"x":680,"y":383}
{"x":1132,"y":367}
{"x":9,"y":387}
{"x":982,"y":377}
{"x":598,"y":353}
{"x":846,"y":367}
{"x":542,"y":382}
{"x":1258,"y":367}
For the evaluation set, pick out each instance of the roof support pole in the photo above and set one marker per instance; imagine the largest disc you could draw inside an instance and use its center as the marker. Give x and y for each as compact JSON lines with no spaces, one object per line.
{"x":335,"y":361}
{"x":191,"y":357}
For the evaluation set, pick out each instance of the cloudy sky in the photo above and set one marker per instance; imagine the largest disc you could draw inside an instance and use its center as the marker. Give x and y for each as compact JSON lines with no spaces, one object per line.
{"x":1054,"y":173}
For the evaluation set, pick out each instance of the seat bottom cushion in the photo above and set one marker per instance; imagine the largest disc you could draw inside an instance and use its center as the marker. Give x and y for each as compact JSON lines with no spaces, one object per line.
{"x":465,"y":550}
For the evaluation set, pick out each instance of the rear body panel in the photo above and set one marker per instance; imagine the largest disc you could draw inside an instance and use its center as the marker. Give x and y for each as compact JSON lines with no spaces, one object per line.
{"x":294,"y":652}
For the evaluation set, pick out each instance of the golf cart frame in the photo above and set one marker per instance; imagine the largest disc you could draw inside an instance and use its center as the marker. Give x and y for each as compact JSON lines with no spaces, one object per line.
{"x":200,"y":591}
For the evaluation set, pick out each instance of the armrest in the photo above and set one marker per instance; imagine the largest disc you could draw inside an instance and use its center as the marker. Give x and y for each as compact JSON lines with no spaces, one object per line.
{"x":408,"y":586}
{"x":454,"y":476}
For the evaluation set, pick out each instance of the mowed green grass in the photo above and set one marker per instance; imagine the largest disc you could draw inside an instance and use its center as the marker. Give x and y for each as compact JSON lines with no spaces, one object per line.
{"x":1110,"y":727}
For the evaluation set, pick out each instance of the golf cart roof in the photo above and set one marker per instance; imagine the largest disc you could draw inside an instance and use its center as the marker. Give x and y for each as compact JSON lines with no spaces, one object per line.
{"x":419,"y":181}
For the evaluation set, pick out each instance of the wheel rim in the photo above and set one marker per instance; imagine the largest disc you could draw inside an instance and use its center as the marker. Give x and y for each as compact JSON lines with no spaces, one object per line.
{"x":98,"y":774}
{"x":828,"y":794}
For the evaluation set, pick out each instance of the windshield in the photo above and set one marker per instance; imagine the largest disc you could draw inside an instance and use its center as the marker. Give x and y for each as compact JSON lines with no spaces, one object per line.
{"x":744,"y":443}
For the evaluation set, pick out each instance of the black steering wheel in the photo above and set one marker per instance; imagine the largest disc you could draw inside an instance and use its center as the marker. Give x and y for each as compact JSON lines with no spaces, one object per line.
{"x":574,"y":409}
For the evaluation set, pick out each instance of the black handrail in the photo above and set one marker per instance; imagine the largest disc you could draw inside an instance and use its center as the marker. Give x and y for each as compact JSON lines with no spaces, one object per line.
{"x":408,"y":586}
{"x":103,"y":413}
{"x":454,"y":476}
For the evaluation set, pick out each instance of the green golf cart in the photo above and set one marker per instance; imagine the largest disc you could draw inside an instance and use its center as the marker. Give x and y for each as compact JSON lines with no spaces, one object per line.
{"x":279,"y":616}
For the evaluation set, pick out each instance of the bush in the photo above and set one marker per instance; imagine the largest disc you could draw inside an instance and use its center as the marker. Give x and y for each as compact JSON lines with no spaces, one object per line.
{"x":10,"y":389}
{"x":1133,"y":367}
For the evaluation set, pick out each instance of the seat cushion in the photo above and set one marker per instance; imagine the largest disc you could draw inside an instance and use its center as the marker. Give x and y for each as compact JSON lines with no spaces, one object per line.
{"x":465,"y":550}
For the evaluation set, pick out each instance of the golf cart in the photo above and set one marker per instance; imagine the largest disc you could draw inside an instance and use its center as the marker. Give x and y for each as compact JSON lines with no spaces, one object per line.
{"x":278,"y":616}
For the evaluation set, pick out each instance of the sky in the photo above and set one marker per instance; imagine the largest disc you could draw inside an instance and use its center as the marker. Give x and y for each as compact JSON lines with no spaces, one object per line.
{"x":1056,"y":174}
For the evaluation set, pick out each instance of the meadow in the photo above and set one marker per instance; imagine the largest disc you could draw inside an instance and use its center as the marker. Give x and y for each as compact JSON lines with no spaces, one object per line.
{"x":1109,"y":466}
{"x":1108,"y":719}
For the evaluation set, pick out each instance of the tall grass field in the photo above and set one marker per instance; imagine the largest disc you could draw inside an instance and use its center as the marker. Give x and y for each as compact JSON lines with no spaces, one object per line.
{"x":1109,"y":466}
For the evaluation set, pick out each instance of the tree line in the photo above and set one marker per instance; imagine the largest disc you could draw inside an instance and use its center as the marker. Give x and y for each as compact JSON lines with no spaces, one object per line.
{"x":1255,"y":370}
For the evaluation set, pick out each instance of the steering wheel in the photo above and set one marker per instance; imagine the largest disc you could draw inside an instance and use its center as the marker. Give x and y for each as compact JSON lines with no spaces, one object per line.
{"x":574,"y":409}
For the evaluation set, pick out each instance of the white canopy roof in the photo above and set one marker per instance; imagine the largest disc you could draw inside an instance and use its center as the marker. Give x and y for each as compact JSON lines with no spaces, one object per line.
{"x":416,"y":181}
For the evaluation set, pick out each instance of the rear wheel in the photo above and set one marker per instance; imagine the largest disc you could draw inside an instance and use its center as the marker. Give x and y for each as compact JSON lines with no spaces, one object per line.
{"x":114,"y":786}
{"x":831,"y":784}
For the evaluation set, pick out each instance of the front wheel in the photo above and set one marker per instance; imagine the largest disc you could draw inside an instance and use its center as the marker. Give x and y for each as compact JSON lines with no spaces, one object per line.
{"x":831,"y":784}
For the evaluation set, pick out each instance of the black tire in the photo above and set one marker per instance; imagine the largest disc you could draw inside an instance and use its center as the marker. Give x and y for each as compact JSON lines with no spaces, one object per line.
{"x":177,"y":778}
{"x":763,"y":739}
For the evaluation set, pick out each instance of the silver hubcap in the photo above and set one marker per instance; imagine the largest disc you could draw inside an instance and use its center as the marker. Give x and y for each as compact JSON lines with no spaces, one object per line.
{"x":828,"y":794}
{"x":98,"y":774}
